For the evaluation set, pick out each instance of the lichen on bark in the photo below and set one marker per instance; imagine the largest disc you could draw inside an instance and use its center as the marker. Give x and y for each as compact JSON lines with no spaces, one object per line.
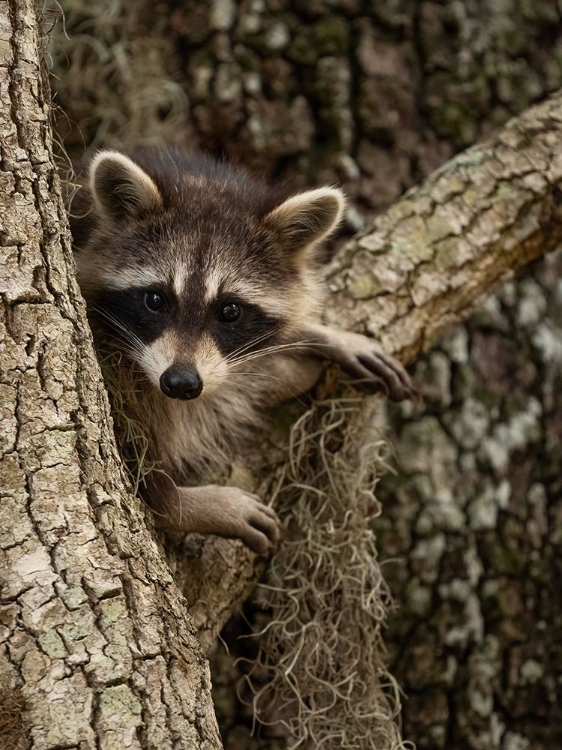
{"x":471,"y":528}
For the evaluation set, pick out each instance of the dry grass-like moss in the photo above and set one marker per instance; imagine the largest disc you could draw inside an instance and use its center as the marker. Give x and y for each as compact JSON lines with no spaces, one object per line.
{"x":124,"y":384}
{"x":12,"y":725}
{"x":323,"y":651}
{"x":108,"y":74}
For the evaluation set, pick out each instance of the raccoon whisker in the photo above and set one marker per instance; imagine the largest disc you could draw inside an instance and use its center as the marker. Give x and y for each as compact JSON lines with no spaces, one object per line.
{"x":296,"y":320}
{"x":267,"y":350}
{"x":129,"y":335}
{"x":260,"y":375}
{"x":126,"y":337}
{"x":244,"y":347}
{"x":296,"y":345}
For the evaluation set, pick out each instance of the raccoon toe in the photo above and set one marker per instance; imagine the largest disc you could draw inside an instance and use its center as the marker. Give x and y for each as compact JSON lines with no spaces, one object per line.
{"x":257,"y":541}
{"x":388,"y":373}
{"x":262,"y":530}
{"x":365,"y":361}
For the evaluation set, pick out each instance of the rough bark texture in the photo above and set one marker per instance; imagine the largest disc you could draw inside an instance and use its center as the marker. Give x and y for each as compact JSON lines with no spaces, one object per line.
{"x":471,"y":529}
{"x":96,"y":650}
{"x":378,"y":94}
{"x":444,"y":247}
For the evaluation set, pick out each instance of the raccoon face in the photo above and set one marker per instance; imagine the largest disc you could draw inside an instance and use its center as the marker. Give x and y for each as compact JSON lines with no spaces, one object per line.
{"x":183,"y":342}
{"x":192,"y":278}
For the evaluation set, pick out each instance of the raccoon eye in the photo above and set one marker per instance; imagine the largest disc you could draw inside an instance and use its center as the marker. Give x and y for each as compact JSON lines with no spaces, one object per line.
{"x":155,"y":301}
{"x":230,"y":312}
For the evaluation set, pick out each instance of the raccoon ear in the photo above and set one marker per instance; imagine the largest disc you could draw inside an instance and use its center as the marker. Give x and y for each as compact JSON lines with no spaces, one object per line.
{"x":308,"y":218}
{"x":121,"y":189}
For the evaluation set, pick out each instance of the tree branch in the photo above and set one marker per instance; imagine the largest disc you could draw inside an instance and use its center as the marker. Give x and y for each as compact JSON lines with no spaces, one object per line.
{"x":434,"y":257}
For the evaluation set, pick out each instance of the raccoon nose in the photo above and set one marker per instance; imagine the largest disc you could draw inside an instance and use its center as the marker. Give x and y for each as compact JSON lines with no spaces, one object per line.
{"x":176,"y":382}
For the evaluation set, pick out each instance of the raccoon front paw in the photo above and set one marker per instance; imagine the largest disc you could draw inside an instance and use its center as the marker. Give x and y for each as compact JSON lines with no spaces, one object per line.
{"x":225,"y":511}
{"x":363,"y":359}
{"x":256,"y":524}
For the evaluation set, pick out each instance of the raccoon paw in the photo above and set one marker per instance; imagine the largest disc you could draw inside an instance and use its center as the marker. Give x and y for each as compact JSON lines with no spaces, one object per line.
{"x":363,"y":359}
{"x":225,"y":511}
{"x":256,"y":524}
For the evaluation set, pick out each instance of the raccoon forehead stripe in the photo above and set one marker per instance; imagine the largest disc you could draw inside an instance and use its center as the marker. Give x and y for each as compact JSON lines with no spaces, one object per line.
{"x":213,"y":282}
{"x":181,"y":276}
{"x":134,"y":276}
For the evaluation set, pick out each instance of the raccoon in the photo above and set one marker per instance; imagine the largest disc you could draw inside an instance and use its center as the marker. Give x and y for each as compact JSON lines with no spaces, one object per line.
{"x":204,"y":293}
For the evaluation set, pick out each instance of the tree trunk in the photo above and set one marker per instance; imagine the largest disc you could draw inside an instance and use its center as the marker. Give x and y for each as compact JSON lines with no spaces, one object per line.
{"x":96,"y":649}
{"x":470,"y":533}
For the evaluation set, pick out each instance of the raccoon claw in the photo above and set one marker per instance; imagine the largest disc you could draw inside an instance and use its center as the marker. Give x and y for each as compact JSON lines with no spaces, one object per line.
{"x":364,"y":360}
{"x":382,"y":371}
{"x":259,"y":526}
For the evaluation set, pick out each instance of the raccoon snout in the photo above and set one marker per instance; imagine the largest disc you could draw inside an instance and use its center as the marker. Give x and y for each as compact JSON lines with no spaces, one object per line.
{"x":177,"y":382}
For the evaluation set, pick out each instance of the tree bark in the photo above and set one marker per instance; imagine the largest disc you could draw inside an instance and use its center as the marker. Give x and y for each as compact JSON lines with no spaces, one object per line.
{"x":373,"y":94}
{"x":96,"y":648}
{"x":470,"y":533}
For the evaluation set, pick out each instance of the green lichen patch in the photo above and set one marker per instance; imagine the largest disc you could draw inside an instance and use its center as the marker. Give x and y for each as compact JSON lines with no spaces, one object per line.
{"x":327,"y":37}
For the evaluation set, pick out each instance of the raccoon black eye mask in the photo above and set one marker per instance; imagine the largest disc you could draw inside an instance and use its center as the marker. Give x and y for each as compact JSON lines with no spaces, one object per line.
{"x":204,"y":293}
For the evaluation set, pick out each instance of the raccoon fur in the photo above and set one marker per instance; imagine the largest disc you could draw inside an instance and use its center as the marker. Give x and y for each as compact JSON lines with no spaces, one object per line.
{"x":204,"y":293}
